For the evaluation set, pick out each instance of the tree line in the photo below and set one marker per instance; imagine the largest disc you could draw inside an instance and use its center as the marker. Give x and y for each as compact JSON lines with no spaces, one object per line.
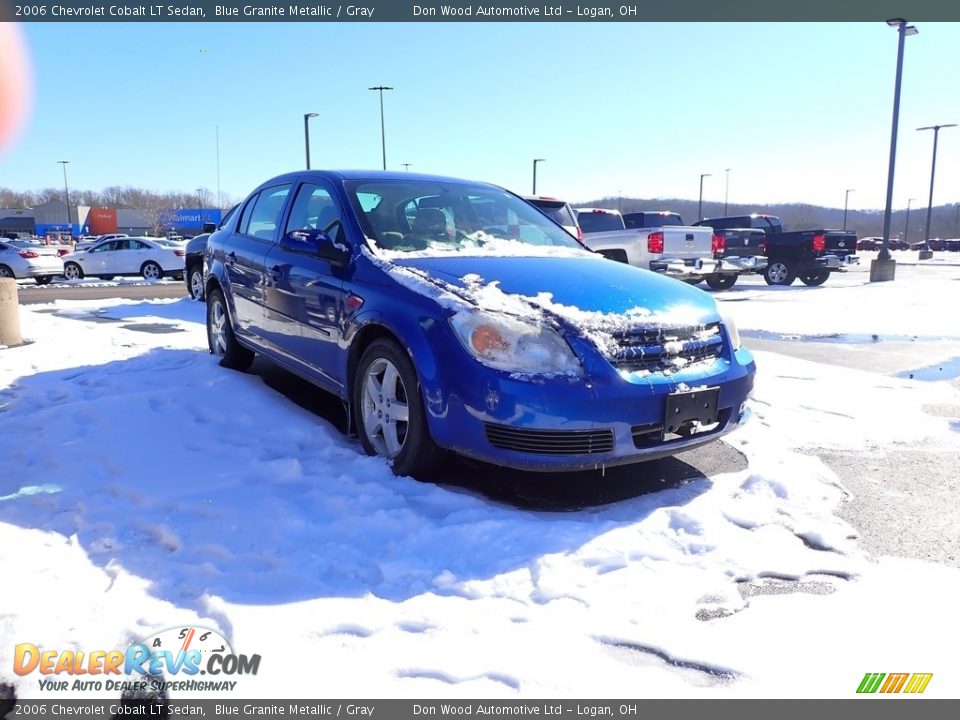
{"x":110,"y":197}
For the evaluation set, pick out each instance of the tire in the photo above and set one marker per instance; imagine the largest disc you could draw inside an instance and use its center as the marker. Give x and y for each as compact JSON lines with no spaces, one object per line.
{"x":6,"y":272}
{"x":43,"y":279}
{"x":151,"y":271}
{"x":196,"y":283}
{"x":386,"y":382}
{"x":693,"y":281}
{"x":721,"y":282}
{"x":220,"y":338}
{"x":779,"y":272}
{"x":106,"y":277}
{"x":72,"y":271}
{"x":814,"y":279}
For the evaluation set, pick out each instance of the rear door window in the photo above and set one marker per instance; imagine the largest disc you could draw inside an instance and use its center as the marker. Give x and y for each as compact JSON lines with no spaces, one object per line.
{"x":266,"y":212}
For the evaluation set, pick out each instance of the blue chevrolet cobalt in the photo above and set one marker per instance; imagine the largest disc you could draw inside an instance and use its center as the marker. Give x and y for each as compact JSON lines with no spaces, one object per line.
{"x":452,"y":316}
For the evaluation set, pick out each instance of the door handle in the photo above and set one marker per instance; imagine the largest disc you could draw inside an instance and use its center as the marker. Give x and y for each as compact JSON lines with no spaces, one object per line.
{"x":231,"y":258}
{"x":276,"y":273}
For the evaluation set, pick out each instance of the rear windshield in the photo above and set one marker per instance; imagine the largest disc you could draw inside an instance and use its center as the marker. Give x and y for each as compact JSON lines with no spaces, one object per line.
{"x":556,"y":210}
{"x":651,"y":219}
{"x":599,"y":221}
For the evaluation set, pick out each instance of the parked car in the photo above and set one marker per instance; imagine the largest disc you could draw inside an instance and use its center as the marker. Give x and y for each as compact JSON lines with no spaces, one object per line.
{"x":21,"y":259}
{"x":151,"y":257}
{"x":559,"y":211}
{"x":451,"y":316}
{"x":810,"y":255}
{"x":681,"y":252}
{"x":869,"y":243}
{"x":193,"y":260}
{"x":87,"y":242}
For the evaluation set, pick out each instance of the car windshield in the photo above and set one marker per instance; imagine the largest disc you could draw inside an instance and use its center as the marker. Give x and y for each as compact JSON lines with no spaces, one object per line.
{"x":167,"y":243}
{"x":430,"y":216}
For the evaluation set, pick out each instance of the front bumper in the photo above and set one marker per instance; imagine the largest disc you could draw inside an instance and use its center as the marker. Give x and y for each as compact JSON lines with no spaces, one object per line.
{"x":566,"y":425}
{"x":685,"y":268}
{"x":743,"y":265}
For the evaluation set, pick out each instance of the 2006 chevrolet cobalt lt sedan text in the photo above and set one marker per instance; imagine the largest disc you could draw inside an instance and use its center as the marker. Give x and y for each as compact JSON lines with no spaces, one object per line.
{"x":453,"y":316}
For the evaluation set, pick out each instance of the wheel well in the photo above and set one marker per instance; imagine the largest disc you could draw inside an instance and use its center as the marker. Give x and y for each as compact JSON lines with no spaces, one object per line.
{"x":8,"y":269}
{"x":212,"y":284}
{"x":363,"y":339}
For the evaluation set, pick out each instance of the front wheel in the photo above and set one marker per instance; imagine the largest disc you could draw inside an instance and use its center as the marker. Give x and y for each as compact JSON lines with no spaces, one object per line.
{"x":814,"y":278}
{"x":389,"y":413}
{"x":196,"y":284}
{"x":151,"y":271}
{"x":721,"y":282}
{"x":220,"y":338}
{"x":72,"y":271}
{"x":778,"y":272}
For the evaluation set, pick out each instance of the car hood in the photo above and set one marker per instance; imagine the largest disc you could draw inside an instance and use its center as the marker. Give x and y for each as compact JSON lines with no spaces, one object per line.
{"x":580,"y":283}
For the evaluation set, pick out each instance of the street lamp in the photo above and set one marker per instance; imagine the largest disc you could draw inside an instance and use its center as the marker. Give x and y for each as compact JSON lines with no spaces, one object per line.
{"x":846,"y":202}
{"x":884,"y":267}
{"x":535,"y":161}
{"x":906,"y":229}
{"x":200,"y":205}
{"x":406,"y":166}
{"x":700,"y":204}
{"x":383,"y":136}
{"x":306,"y":133}
{"x":66,"y":192}
{"x":926,"y":254}
{"x":726,"y":192}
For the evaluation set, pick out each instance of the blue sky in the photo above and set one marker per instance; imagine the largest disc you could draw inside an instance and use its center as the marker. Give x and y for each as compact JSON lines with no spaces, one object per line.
{"x":799,"y":112}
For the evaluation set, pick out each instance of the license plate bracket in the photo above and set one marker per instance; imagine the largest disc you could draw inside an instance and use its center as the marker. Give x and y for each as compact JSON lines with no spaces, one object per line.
{"x":689,"y":411}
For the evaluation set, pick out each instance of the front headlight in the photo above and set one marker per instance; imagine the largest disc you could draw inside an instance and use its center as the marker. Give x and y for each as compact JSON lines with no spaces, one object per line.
{"x":510,"y":344}
{"x":727,"y":319}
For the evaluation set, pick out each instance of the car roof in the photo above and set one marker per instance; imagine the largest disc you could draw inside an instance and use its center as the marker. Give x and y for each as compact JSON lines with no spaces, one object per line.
{"x":343,"y":175}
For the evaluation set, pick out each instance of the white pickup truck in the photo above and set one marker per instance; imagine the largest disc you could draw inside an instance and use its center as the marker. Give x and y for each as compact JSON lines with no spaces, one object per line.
{"x":657,"y":241}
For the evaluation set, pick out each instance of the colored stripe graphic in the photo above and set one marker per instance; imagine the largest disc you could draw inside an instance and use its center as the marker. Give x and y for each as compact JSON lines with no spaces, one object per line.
{"x":894,"y":683}
{"x":918,"y":683}
{"x":870,"y":682}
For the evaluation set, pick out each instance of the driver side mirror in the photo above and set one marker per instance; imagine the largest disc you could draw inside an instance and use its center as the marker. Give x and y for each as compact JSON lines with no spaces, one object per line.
{"x":316,"y":243}
{"x":209,"y":227}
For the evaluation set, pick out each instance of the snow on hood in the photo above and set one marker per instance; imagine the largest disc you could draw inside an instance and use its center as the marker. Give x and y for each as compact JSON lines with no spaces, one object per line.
{"x":585,"y":291}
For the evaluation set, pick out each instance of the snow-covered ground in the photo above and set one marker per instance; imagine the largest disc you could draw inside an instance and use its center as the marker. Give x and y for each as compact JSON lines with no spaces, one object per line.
{"x":143,"y":487}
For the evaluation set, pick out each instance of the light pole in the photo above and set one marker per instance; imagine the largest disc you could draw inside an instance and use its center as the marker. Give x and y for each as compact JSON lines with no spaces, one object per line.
{"x":535,"y":161}
{"x":926,"y":254}
{"x":906,"y":228}
{"x":726,"y":192}
{"x":956,"y":222}
{"x":306,"y":134}
{"x":700,"y":204}
{"x":406,"y":166}
{"x":383,"y":136}
{"x":66,"y":192}
{"x":846,"y":202}
{"x":200,"y":206}
{"x":884,"y":267}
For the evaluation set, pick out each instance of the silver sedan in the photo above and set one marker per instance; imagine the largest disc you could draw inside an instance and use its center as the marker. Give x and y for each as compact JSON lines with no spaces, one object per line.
{"x":22,"y":259}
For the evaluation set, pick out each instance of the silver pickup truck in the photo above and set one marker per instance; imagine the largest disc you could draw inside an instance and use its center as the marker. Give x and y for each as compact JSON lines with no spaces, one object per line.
{"x":657,"y":241}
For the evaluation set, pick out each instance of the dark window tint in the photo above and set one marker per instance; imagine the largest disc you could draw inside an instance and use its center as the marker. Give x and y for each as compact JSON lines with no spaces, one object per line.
{"x":651,"y":219}
{"x":556,"y":210}
{"x":598,"y":221}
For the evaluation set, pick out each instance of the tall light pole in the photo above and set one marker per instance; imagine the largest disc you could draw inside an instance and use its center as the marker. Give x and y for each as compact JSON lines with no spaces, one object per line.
{"x":219,"y":195}
{"x":925,"y":254}
{"x":726,"y":192}
{"x":846,"y":202}
{"x":200,"y":206}
{"x":700,"y":204}
{"x":66,"y":192}
{"x":956,"y":222}
{"x":884,"y":267}
{"x":306,"y":134}
{"x":906,"y":228}
{"x":383,"y":136}
{"x":406,"y":166}
{"x":535,"y":161}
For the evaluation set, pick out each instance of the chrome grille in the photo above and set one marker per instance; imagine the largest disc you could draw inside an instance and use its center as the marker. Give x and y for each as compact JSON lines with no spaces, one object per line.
{"x":664,"y":350}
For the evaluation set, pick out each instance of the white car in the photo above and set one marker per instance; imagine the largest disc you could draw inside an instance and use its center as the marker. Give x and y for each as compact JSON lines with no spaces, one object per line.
{"x":88,"y":242}
{"x":25,"y":259}
{"x":150,"y":257}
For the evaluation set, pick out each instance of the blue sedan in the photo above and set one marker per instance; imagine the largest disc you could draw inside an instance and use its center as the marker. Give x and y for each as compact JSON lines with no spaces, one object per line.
{"x":452,"y":316}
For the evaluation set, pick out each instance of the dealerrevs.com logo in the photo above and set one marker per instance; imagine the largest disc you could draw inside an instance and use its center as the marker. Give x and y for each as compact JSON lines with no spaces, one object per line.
{"x":184,"y":653}
{"x":910,"y":683}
